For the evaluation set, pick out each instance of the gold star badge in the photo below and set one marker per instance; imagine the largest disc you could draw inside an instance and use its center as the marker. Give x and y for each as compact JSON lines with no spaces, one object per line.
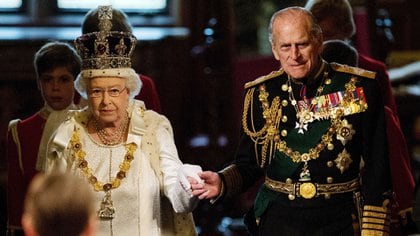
{"x":343,"y":161}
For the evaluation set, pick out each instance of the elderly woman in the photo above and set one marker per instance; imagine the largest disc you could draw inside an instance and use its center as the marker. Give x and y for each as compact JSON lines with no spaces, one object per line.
{"x":126,"y":153}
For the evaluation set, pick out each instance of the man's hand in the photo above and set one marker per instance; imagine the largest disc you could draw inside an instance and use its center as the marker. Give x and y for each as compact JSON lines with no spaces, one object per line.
{"x":210,"y":188}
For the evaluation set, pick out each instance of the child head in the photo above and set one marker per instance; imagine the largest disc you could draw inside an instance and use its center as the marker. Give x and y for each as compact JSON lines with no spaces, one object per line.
{"x":57,"y":65}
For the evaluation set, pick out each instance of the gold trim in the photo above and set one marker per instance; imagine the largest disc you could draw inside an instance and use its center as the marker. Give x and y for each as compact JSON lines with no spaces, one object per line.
{"x":233,"y":180}
{"x":368,"y":232}
{"x":376,"y":209}
{"x":264,"y":78}
{"x":374,"y":214}
{"x":353,"y":70}
{"x":309,"y":190}
{"x":375,"y":220}
{"x":375,"y":226}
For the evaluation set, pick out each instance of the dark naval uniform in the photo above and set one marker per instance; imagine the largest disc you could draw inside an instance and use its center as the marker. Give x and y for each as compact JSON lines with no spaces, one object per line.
{"x":308,"y":138}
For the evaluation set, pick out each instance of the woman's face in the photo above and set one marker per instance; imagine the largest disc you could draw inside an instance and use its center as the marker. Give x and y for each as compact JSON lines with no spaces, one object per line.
{"x":108,"y":99}
{"x":56,"y":86}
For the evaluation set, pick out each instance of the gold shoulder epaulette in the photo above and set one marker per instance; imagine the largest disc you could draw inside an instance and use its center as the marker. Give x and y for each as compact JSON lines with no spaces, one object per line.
{"x":264,"y":78}
{"x":353,"y":70}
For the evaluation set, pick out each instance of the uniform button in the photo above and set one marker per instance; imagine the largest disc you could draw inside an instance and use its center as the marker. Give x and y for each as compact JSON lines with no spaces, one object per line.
{"x":291,"y":197}
{"x":330,"y":146}
{"x":284,"y":133}
{"x":330,"y":164}
{"x":284,"y":87}
{"x":284,"y":103}
{"x":289,"y":181}
{"x":330,"y":180}
{"x":328,"y":81}
{"x":284,"y":119}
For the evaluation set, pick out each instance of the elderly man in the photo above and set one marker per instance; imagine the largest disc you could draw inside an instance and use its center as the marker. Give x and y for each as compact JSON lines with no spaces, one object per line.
{"x":306,"y":129}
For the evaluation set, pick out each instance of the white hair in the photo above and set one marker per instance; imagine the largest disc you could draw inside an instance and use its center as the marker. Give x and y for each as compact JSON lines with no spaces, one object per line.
{"x":133,"y":82}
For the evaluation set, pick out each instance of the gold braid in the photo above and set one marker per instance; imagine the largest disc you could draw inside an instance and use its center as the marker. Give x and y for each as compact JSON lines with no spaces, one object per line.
{"x":268,"y":133}
{"x":268,"y":136}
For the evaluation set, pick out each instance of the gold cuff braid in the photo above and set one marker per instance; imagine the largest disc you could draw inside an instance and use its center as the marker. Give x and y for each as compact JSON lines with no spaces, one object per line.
{"x":376,"y":220}
{"x":233,"y":180}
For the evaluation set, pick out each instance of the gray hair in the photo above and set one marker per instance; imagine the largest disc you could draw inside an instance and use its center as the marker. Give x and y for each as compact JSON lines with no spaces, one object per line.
{"x":316,"y":30}
{"x":133,"y":82}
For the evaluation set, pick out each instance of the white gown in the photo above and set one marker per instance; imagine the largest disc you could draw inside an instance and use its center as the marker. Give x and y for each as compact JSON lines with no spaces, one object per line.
{"x":136,"y":200}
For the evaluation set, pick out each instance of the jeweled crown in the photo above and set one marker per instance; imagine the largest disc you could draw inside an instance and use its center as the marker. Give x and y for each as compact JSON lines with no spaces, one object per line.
{"x":106,"y":49}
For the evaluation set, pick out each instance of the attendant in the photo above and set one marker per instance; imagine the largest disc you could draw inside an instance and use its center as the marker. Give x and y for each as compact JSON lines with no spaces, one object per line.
{"x":336,"y":20}
{"x":124,"y":151}
{"x":56,"y":65}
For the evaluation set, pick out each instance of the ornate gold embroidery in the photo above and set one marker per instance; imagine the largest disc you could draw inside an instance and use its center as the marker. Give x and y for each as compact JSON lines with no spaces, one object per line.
{"x":343,"y":161}
{"x":270,"y":139}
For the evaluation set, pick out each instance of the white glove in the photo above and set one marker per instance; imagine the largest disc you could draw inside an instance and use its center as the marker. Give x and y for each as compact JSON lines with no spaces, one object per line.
{"x":189,"y":170}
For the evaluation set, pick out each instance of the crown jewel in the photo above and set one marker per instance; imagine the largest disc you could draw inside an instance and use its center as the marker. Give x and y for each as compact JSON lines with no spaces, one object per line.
{"x":106,"y":49}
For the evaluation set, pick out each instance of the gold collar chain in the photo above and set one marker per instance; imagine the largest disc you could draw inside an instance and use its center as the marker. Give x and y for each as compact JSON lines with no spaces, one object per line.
{"x":326,"y":139}
{"x":269,"y":135}
{"x":83,"y":165}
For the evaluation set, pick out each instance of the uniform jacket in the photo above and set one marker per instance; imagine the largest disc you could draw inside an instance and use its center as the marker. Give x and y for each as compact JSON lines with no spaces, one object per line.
{"x":272,"y":136}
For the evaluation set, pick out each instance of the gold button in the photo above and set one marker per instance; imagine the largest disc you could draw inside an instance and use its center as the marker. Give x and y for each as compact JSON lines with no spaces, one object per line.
{"x":284,"y":133}
{"x":330,"y":164}
{"x":284,"y":103}
{"x":327,"y":196}
{"x":291,"y":197}
{"x":289,"y":181}
{"x":330,"y":146}
{"x":284,"y":119}
{"x":307,"y":190}
{"x":284,"y":87}
{"x":330,"y":179}
{"x":328,"y":81}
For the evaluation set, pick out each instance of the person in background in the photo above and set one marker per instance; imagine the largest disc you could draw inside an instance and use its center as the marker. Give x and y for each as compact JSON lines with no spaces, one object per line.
{"x":402,"y":222}
{"x":58,"y":204}
{"x":339,"y":51}
{"x":306,"y":129}
{"x":336,"y":20}
{"x":120,"y":22}
{"x":56,"y":65}
{"x":124,"y":151}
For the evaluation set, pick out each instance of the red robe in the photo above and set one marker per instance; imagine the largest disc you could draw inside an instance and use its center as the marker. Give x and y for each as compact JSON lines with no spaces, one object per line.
{"x":382,"y":77}
{"x":148,"y":94}
{"x":21,"y":171}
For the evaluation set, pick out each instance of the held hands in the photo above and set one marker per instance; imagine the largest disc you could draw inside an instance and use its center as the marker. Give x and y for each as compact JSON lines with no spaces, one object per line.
{"x":209,"y":188}
{"x":204,"y":185}
{"x":187,"y":174}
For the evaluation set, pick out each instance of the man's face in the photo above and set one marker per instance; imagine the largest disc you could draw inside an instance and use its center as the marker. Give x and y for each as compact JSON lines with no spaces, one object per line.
{"x":293,"y":45}
{"x":57,"y":87}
